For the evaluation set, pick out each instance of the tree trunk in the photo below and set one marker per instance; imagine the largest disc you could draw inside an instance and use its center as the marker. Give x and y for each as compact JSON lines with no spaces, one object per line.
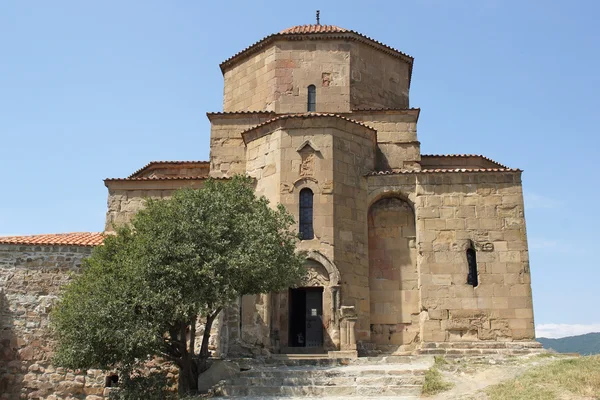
{"x":203,"y":356}
{"x":188,"y":375}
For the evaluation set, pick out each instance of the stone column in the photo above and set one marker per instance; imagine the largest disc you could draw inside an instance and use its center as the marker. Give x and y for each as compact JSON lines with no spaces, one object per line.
{"x":348,"y":328}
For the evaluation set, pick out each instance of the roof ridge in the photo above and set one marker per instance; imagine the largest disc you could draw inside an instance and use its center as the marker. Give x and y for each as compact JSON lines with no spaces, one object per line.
{"x":466,"y":155}
{"x":160,"y":178}
{"x":386,"y":109}
{"x":342,"y":31}
{"x":240,"y":112}
{"x":442,"y":170}
{"x":305,"y":115}
{"x":151,"y":163}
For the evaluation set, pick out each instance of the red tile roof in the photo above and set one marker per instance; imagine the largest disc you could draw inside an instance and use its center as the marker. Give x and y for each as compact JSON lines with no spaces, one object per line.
{"x":431,"y":171}
{"x":307,"y":115}
{"x":318,"y":32}
{"x":314,"y":29}
{"x":385,"y":109}
{"x":240,"y":112}
{"x":67,"y":239}
{"x":159,"y":178}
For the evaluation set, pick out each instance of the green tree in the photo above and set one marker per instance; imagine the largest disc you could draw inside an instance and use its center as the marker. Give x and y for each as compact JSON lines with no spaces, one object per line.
{"x":142,"y":292}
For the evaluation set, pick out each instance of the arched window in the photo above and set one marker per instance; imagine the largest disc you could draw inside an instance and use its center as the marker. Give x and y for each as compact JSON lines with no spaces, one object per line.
{"x":472,"y":262}
{"x":312,"y":98}
{"x":306,"y":214}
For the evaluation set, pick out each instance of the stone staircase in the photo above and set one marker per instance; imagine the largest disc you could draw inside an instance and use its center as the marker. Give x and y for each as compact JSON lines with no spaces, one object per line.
{"x":372,"y":378}
{"x":474,"y":349}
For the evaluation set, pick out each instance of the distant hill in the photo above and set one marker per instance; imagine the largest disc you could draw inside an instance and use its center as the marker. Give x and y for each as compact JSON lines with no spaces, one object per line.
{"x":582,"y":344}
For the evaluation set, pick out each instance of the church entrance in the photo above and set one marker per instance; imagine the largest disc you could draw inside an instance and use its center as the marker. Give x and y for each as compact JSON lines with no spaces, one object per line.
{"x":306,"y":318}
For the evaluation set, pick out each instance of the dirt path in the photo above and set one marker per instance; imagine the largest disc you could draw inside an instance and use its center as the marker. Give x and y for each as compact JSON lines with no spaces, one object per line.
{"x":470,"y":379}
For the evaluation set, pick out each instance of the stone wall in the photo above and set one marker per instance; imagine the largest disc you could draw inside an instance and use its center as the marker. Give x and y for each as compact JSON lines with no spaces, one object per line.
{"x":393,"y":277}
{"x":353,"y":157}
{"x":377,"y":79}
{"x":251,"y":84}
{"x":277,"y":78}
{"x":452,"y":211}
{"x":227,"y":148}
{"x":397,"y":144}
{"x":126,"y":198}
{"x":486,"y":209}
{"x":31,"y":277}
{"x":287,"y":156}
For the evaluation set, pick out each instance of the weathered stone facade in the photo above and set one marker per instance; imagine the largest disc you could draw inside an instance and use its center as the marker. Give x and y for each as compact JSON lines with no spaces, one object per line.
{"x":31,"y":277}
{"x":390,"y":228}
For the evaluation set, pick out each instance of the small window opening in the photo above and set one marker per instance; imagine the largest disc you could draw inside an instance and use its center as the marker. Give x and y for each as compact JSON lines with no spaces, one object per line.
{"x":111,"y":381}
{"x":312,"y":98}
{"x":472,"y":278}
{"x":306,"y":214}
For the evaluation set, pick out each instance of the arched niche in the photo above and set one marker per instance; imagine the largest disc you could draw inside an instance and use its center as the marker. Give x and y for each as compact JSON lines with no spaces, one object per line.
{"x":332,"y":271}
{"x":393,"y":275}
{"x":386,"y":192}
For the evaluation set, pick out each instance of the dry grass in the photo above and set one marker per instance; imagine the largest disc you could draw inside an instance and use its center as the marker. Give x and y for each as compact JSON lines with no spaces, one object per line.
{"x":434,"y":382}
{"x":560,"y":379}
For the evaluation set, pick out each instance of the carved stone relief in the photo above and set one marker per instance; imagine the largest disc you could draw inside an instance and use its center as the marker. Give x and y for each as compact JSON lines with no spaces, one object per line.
{"x":316,"y":274}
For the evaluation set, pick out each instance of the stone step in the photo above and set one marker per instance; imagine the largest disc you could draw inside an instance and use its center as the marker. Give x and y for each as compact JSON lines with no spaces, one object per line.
{"x":331,"y":372}
{"x":320,"y":391}
{"x":456,"y":352}
{"x":329,"y":381}
{"x":517,"y":345}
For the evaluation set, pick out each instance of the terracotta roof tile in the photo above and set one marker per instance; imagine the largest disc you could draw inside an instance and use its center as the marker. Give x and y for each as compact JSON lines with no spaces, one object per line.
{"x":306,"y":115}
{"x":385,"y":109}
{"x":441,"y":170}
{"x":465,"y":156}
{"x":239,"y":112}
{"x":160,"y":178}
{"x":67,"y":239}
{"x":314,"y":29}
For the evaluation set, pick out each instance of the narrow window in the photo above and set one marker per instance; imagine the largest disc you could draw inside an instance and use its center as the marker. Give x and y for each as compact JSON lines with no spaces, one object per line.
{"x":306,"y":214}
{"x":472,"y":261}
{"x":312,"y":98}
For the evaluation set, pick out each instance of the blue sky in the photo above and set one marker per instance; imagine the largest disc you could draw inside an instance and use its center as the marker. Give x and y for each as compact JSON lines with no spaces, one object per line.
{"x":96,"y":89}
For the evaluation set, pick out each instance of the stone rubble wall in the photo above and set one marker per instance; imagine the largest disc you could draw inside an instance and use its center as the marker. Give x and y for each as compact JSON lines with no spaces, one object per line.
{"x":31,"y":277}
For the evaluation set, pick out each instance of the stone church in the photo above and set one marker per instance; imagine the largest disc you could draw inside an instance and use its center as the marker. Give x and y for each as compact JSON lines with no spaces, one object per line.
{"x":407,"y":252}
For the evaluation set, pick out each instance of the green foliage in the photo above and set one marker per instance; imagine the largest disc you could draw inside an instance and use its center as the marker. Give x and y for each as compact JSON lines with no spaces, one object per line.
{"x":583,"y":344}
{"x":136,"y":385}
{"x":434,"y":382}
{"x":440,"y":360}
{"x":188,"y":256}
